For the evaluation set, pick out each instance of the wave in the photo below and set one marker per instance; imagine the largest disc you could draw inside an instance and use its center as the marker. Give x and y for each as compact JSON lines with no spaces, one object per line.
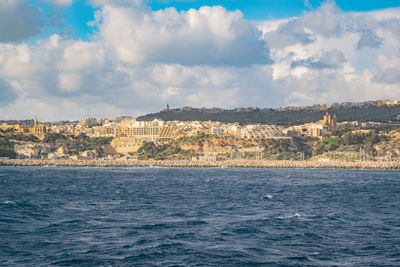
{"x":8,"y":202}
{"x":268,"y":196}
{"x":296,"y":215}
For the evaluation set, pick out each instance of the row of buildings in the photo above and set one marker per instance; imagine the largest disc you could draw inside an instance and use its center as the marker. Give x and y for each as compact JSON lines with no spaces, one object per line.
{"x":128,"y":134}
{"x":37,"y":129}
{"x":44,"y":151}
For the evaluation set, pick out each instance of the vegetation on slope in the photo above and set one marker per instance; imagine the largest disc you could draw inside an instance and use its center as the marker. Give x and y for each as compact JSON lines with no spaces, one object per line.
{"x":286,"y":117}
{"x":149,"y":150}
{"x":6,"y":147}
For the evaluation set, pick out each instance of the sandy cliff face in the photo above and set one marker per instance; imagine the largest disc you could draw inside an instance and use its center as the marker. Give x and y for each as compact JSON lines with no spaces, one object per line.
{"x":221,"y":145}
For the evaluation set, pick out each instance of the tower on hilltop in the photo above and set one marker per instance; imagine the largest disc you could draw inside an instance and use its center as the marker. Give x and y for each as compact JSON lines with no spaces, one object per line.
{"x":166,"y":109}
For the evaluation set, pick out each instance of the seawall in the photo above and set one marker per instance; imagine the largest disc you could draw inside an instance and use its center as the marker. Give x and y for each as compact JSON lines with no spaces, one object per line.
{"x":372,"y":165}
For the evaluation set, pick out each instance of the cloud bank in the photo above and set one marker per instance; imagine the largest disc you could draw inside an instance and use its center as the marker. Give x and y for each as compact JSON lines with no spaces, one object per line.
{"x":139,"y":60}
{"x":18,"y":20}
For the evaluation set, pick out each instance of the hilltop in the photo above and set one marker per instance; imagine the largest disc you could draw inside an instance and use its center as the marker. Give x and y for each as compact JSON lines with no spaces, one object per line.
{"x":380,"y":111}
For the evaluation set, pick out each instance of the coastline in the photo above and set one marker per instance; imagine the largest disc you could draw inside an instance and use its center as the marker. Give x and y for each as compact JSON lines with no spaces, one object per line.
{"x":367,"y":165}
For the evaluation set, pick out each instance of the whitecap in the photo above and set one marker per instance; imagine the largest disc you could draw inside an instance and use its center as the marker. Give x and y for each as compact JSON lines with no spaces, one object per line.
{"x":296,"y":215}
{"x":268,"y":196}
{"x":8,"y":202}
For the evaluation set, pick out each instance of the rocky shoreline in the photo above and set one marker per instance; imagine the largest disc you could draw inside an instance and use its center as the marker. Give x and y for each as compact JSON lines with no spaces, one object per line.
{"x":370,"y":165}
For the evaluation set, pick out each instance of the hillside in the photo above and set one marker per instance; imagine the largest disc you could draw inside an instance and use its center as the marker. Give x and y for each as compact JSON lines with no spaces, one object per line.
{"x":283,"y":116}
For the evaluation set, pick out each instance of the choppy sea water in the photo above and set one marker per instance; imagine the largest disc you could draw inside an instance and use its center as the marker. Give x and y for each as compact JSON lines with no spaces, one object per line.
{"x":198,"y":217}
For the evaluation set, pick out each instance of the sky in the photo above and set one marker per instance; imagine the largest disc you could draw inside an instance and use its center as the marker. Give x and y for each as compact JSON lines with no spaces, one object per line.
{"x":71,"y":59}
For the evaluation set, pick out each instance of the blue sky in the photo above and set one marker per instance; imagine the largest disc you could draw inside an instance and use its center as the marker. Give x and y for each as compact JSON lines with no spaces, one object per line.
{"x":75,"y":17}
{"x":265,"y":9}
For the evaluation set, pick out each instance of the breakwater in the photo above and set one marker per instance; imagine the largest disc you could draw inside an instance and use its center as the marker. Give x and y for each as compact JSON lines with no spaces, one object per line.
{"x":206,"y":164}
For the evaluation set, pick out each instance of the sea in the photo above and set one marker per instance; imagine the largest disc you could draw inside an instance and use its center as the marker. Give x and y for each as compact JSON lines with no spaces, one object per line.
{"x":198,"y":217}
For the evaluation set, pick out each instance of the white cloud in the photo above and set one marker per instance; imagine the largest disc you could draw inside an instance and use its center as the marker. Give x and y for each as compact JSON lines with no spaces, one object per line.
{"x":69,"y":82}
{"x":325,"y":20}
{"x":208,"y":36}
{"x":140,"y":60}
{"x":17,"y":61}
{"x":82,"y":56}
{"x":332,"y":59}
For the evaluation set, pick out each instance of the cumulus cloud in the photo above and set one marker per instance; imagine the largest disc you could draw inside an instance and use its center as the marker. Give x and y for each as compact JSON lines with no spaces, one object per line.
{"x":333,"y":59}
{"x":208,"y":36}
{"x":369,"y":39}
{"x":18,"y":20}
{"x":390,"y":76}
{"x":325,"y":21}
{"x":69,"y":82}
{"x":392,"y":25}
{"x":82,"y":56}
{"x":139,"y":60}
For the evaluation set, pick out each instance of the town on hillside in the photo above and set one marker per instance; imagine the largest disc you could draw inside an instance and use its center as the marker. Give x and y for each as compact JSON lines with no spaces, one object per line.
{"x":128,"y":138}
